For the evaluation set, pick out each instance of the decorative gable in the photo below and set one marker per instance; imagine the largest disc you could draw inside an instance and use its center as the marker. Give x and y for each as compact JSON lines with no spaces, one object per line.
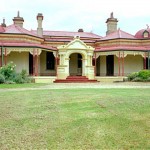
{"x":76,"y":44}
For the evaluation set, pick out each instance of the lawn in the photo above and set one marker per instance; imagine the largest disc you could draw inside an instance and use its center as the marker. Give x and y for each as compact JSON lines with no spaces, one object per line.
{"x":75,"y":119}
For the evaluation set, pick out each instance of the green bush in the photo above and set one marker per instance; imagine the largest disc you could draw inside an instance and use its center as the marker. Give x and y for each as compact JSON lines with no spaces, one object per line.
{"x":2,"y":79}
{"x":22,"y":77}
{"x":9,"y":75}
{"x":19,"y":79}
{"x":132,"y":76}
{"x":148,"y":79}
{"x":137,"y":79}
{"x":8,"y":71}
{"x":9,"y":82}
{"x":141,"y":76}
{"x":144,"y":74}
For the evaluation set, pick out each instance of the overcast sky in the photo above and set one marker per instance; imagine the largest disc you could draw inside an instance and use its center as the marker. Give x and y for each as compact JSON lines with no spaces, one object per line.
{"x":70,"y":15}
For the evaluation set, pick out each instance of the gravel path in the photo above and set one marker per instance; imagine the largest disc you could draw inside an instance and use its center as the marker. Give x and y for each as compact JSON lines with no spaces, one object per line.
{"x":84,"y":85}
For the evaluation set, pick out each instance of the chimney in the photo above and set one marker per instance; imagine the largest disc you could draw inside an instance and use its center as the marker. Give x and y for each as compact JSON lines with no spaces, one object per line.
{"x":3,"y":24}
{"x":39,"y":28}
{"x":111,"y":24}
{"x":80,"y":30}
{"x":18,"y":20}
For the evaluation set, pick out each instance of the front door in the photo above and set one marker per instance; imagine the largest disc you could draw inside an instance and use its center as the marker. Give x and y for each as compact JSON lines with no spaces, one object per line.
{"x":30,"y":64}
{"x":110,"y":65}
{"x":75,"y":64}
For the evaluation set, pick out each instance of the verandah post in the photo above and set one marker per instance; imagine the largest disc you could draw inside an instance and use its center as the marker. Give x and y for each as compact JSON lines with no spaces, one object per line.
{"x":95,"y":63}
{"x":123,"y":63}
{"x":144,"y":65}
{"x":5,"y":54}
{"x":149,"y":60}
{"x":33,"y":62}
{"x":1,"y":57}
{"x":119,"y":64}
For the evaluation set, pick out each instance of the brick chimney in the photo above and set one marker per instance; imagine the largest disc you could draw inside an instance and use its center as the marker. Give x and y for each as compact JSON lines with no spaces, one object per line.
{"x":18,"y":20}
{"x":3,"y":24}
{"x":39,"y":28}
{"x":111,"y":24}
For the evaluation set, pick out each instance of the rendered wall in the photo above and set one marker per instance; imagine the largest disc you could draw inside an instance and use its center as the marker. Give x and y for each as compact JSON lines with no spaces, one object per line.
{"x":21,"y":60}
{"x":133,"y":64}
{"x":98,"y":66}
{"x":102,"y":65}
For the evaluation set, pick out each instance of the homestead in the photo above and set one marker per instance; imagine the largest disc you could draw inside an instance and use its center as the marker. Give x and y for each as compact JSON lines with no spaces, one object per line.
{"x":59,"y":55}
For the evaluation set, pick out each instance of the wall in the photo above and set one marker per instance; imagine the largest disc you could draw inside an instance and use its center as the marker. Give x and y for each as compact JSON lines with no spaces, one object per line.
{"x":98,"y":66}
{"x":133,"y":63}
{"x":102,"y":65}
{"x":21,"y":60}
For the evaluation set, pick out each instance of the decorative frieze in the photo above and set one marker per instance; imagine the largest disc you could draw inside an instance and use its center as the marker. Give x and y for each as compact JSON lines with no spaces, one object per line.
{"x":35,"y":52}
{"x":121,"y":53}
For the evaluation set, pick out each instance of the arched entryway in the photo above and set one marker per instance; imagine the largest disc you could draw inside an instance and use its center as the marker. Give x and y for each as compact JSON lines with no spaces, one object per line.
{"x":75,"y":58}
{"x":75,"y":64}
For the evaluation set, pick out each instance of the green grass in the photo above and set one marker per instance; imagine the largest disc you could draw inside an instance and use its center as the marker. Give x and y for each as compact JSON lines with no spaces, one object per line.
{"x":25,"y":85}
{"x":75,"y":119}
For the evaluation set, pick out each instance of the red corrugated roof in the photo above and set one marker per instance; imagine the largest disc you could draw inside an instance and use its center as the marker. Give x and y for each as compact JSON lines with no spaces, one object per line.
{"x":139,"y":34}
{"x":69,"y":34}
{"x":1,"y":29}
{"x":16,"y":44}
{"x":67,"y":40}
{"x":117,"y":35}
{"x":19,"y":30}
{"x":122,"y":47}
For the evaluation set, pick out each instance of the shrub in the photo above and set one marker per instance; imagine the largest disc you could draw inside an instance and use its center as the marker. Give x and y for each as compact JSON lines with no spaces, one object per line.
{"x":141,"y":76}
{"x":22,"y":77}
{"x":9,"y":82}
{"x":2,"y":78}
{"x":148,"y":79}
{"x":132,"y":76}
{"x":138,"y":79}
{"x":9,"y":75}
{"x":8,"y":71}
{"x":144,"y":74}
{"x":19,"y":79}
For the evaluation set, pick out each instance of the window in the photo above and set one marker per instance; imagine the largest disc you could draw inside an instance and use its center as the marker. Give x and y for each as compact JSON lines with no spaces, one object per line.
{"x":50,"y":61}
{"x":145,"y":34}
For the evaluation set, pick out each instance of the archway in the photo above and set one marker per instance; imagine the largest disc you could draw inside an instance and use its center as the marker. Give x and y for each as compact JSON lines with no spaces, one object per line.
{"x":82,"y":64}
{"x":75,"y":64}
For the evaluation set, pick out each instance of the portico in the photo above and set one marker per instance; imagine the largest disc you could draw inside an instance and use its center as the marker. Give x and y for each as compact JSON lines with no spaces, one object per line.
{"x":75,"y":59}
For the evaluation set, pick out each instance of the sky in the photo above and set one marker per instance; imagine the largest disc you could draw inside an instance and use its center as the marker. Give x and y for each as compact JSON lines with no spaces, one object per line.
{"x":70,"y":15}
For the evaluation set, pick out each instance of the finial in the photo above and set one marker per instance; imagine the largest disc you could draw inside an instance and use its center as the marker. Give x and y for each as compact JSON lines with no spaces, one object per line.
{"x":18,"y":14}
{"x":147,"y":26}
{"x":111,"y":15}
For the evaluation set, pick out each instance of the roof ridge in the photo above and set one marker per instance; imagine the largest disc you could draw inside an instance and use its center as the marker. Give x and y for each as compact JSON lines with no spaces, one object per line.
{"x":127,"y":33}
{"x":119,"y":32}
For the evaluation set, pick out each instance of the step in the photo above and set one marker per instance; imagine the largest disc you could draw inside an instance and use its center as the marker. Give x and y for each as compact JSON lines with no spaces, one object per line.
{"x":76,"y":77}
{"x":74,"y":81}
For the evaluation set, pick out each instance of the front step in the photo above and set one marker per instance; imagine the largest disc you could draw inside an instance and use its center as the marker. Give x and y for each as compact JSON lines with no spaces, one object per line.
{"x":75,"y":79}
